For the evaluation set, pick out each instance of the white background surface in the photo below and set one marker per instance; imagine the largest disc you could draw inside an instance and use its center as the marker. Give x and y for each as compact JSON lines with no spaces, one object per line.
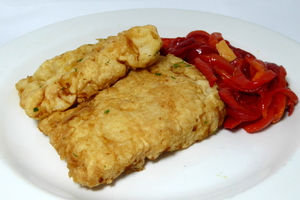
{"x":18,"y":17}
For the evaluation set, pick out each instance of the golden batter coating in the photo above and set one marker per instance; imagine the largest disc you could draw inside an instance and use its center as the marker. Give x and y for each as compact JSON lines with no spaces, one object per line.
{"x":165,"y":107}
{"x":77,"y":75}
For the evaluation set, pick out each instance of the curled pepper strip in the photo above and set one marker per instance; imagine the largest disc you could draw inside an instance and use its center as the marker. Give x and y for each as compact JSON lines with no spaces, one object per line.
{"x":238,"y":109}
{"x":214,"y":39}
{"x":205,"y":70}
{"x":200,"y":36}
{"x":280,"y":102}
{"x":219,"y":62}
{"x":256,"y":93}
{"x":262,"y":122}
{"x":241,"y":83}
{"x":287,"y":93}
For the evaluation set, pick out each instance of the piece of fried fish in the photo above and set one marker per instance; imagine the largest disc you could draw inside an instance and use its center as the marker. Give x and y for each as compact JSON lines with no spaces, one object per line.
{"x":77,"y":75}
{"x":165,"y":107}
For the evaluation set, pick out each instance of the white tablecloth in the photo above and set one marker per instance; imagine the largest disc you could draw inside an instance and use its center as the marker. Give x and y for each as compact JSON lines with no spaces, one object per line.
{"x":18,"y":17}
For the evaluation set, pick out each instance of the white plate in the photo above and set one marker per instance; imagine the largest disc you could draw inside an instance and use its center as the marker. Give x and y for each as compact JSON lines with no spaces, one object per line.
{"x":236,"y":165}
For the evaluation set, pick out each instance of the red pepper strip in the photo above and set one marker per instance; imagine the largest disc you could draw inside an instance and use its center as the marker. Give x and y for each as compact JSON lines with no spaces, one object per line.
{"x":262,"y":122}
{"x":235,"y":109}
{"x":257,"y":68}
{"x":281,"y":77}
{"x":186,"y":42}
{"x":218,"y":61}
{"x":166,"y":41}
{"x":174,"y":42}
{"x":228,"y":97}
{"x":202,"y":49}
{"x":280,"y":100}
{"x":205,"y":70}
{"x":280,"y":71}
{"x":230,"y":123}
{"x":280,"y":105}
{"x":242,"y":66}
{"x":181,"y":47}
{"x":200,"y":36}
{"x":214,"y":39}
{"x":247,"y":99}
{"x":251,"y":114}
{"x":266,"y":101}
{"x":182,"y":51}
{"x":274,"y":67}
{"x":165,"y":46}
{"x":223,"y":74}
{"x":290,"y":107}
{"x":280,"y":81}
{"x":240,"y":82}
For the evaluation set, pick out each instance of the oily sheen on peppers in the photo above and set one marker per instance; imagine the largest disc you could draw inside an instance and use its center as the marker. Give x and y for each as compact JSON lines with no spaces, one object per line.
{"x":255,"y":92}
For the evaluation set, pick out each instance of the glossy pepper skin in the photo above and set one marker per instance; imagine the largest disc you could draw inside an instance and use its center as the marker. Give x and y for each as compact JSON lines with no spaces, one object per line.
{"x":255,"y":92}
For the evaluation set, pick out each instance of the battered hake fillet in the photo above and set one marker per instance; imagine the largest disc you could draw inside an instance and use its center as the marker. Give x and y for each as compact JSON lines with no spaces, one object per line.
{"x":77,"y":75}
{"x":165,"y":107}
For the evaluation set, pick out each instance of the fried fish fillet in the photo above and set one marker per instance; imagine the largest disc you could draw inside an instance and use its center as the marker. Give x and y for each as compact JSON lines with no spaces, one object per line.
{"x":77,"y":75}
{"x":165,"y":107}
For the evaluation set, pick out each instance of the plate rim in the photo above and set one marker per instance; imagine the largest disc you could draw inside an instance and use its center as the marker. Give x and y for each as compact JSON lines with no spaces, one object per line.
{"x":128,"y":10}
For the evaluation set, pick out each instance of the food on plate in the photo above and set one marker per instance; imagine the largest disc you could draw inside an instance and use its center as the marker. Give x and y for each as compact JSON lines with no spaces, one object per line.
{"x":77,"y":75}
{"x":256,"y":93}
{"x":165,"y":107}
{"x":110,"y":106}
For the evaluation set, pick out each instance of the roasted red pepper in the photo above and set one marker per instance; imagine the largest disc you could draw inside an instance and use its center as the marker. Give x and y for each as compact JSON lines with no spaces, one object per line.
{"x":256,"y":93}
{"x":205,"y":70}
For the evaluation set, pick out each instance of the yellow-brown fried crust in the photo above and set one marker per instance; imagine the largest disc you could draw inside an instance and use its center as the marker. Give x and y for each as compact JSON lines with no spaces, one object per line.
{"x":165,"y":107}
{"x":79,"y":74}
